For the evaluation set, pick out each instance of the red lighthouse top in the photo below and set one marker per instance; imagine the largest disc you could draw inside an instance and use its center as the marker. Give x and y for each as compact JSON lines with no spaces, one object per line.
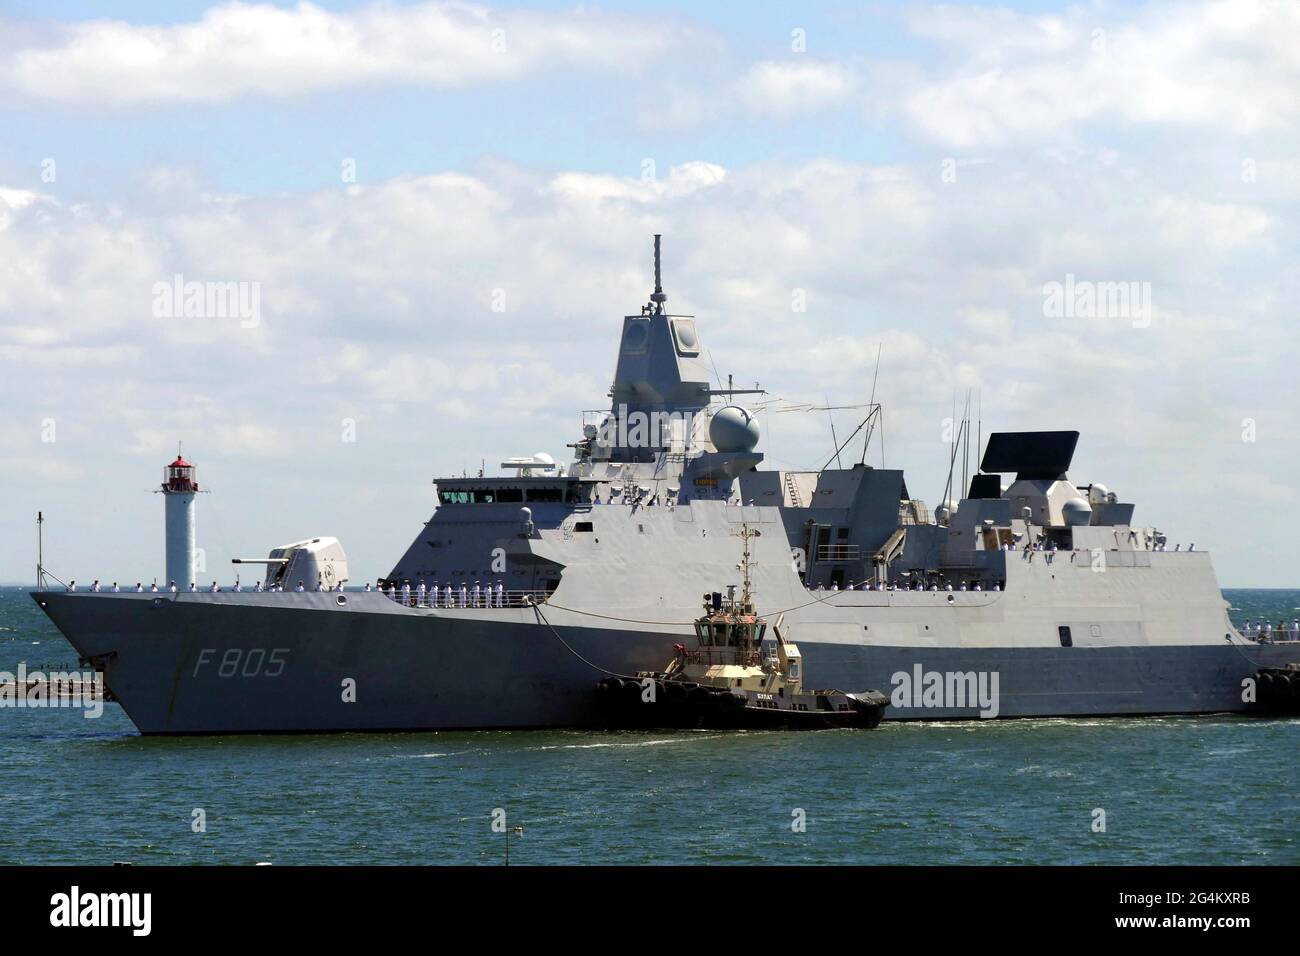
{"x":180,"y":476}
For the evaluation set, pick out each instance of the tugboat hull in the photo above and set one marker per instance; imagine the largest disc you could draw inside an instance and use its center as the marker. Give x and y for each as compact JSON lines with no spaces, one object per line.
{"x":657,"y":703}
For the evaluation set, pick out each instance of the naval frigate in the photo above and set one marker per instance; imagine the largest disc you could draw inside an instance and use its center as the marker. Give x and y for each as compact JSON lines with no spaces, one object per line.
{"x":1029,"y":596}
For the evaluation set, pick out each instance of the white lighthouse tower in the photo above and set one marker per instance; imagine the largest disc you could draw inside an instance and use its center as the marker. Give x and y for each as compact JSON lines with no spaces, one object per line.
{"x":180,"y":485}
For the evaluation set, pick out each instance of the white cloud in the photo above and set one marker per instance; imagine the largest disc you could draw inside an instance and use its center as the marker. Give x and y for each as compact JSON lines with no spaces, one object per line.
{"x":1229,"y":64}
{"x":1219,"y":226}
{"x":798,"y":86}
{"x":237,"y":48}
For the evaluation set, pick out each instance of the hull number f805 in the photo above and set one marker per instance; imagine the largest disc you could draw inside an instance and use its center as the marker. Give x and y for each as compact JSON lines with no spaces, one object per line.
{"x":238,"y":662}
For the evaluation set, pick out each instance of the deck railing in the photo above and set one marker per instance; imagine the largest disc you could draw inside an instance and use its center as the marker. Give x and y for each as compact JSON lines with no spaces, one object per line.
{"x":839,"y":552}
{"x":1275,"y":635}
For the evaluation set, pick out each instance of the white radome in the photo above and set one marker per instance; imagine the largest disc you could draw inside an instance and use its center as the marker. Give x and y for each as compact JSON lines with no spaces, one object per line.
{"x":733,"y":429}
{"x":1076,"y":512}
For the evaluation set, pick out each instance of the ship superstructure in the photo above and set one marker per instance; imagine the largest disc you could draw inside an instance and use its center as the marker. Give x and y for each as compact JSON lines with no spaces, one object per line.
{"x":1029,"y":595}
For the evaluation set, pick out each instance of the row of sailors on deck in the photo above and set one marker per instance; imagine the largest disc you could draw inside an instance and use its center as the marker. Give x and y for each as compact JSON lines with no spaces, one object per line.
{"x":1266,"y":631}
{"x":631,"y":498}
{"x":214,"y":588}
{"x":914,"y":586}
{"x":1041,"y":545}
{"x":1051,"y":546}
{"x":489,"y":595}
{"x":477,"y":596}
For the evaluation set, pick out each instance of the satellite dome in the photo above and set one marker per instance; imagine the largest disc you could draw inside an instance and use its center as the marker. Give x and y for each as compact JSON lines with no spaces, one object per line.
{"x":733,"y":429}
{"x":1076,"y":512}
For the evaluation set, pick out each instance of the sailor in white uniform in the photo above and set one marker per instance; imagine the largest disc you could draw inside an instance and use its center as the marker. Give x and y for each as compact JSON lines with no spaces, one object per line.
{"x":116,"y":589}
{"x":476,"y":593}
{"x":501,"y":595}
{"x":258,"y":587}
{"x":300,"y":589}
{"x":193,"y":589}
{"x":72,"y":586}
{"x":238,"y":587}
{"x":94,"y":586}
{"x":139,"y":588}
{"x":464,"y":594}
{"x":153,"y":587}
{"x":367,"y":587}
{"x":172,"y":587}
{"x":420,"y":593}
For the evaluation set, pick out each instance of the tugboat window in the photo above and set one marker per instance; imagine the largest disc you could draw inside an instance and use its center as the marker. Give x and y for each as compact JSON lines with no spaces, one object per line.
{"x":1064,"y":632}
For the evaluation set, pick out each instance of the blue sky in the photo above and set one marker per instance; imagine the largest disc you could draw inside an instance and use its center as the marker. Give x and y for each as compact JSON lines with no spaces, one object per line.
{"x":917,"y":172}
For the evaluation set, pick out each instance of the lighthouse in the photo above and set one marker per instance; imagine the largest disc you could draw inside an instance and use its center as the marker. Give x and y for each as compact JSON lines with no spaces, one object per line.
{"x":180,"y":485}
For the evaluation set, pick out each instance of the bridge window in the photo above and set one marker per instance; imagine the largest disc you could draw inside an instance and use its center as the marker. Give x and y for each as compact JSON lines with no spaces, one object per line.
{"x":545,"y":494}
{"x":1064,"y":633}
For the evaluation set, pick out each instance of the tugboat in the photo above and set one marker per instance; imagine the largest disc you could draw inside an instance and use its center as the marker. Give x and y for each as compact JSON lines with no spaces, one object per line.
{"x":726,"y":682}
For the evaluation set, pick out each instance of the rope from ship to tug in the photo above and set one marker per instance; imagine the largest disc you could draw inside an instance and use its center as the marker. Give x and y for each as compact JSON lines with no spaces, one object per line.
{"x":537,"y":609}
{"x":633,"y":620}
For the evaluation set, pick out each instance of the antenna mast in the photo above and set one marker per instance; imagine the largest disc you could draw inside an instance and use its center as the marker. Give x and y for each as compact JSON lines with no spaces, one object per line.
{"x":746,"y":595}
{"x":658,"y":297}
{"x":871,"y":404}
{"x":40,"y":551}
